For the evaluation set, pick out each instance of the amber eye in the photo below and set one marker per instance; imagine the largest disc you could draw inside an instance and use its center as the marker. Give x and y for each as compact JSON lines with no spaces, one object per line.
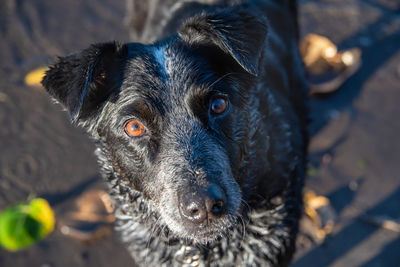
{"x":219,"y":105}
{"x":134,"y":128}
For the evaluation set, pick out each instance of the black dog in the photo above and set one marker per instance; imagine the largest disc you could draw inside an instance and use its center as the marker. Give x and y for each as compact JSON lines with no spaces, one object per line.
{"x":201,"y":135}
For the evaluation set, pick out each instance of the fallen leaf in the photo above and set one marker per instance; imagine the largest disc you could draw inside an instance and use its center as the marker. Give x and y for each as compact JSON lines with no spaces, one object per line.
{"x":34,"y":77}
{"x":311,"y":171}
{"x":90,"y":217}
{"x":320,"y":215}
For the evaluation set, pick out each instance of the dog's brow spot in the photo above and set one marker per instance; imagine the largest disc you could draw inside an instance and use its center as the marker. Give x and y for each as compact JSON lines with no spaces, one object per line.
{"x":159,"y":54}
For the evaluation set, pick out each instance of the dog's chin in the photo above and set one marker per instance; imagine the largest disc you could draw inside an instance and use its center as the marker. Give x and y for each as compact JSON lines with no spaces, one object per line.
{"x":204,"y":233}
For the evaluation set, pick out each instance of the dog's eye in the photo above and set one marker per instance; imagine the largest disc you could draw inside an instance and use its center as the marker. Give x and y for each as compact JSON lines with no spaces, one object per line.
{"x":219,"y":105}
{"x":134,"y":128}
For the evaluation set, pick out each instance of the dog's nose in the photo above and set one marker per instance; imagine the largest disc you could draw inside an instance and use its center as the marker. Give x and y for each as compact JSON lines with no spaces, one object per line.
{"x":199,"y":205}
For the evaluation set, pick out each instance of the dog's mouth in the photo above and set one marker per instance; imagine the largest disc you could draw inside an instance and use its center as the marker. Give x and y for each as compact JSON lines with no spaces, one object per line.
{"x":206,"y":232}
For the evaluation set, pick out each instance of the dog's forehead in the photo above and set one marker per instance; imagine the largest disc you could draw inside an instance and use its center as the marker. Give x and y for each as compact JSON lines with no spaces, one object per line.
{"x":167,"y":76}
{"x":170,"y":60}
{"x":165,"y":67}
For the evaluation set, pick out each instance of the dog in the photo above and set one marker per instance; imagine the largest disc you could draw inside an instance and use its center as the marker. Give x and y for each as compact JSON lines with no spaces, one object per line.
{"x":201,"y":133}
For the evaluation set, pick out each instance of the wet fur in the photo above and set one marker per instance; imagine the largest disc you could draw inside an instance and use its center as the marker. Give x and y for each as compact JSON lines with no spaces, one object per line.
{"x":256,"y":152}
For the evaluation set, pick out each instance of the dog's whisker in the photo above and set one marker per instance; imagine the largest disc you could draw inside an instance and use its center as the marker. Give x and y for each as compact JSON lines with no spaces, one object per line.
{"x":244,"y":227}
{"x":163,"y":233}
{"x":155,"y":226}
{"x":246,"y":204}
{"x":221,"y":78}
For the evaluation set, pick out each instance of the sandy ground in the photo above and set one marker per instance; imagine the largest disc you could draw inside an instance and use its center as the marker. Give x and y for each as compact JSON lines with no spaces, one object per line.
{"x":355,"y":148}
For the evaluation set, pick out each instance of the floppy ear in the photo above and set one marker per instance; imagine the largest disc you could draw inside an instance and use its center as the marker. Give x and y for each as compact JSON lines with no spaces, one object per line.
{"x":237,"y":32}
{"x":82,"y":82}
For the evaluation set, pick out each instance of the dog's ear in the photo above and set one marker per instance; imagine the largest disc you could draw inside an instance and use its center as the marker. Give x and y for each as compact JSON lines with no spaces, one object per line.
{"x":239,"y":33}
{"x":82,"y":82}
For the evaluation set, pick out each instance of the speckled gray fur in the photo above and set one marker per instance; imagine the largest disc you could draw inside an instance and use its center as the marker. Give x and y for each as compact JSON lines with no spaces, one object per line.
{"x":245,"y":51}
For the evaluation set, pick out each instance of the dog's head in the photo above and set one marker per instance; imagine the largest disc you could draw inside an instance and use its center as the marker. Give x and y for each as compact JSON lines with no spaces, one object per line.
{"x":172,"y":116}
